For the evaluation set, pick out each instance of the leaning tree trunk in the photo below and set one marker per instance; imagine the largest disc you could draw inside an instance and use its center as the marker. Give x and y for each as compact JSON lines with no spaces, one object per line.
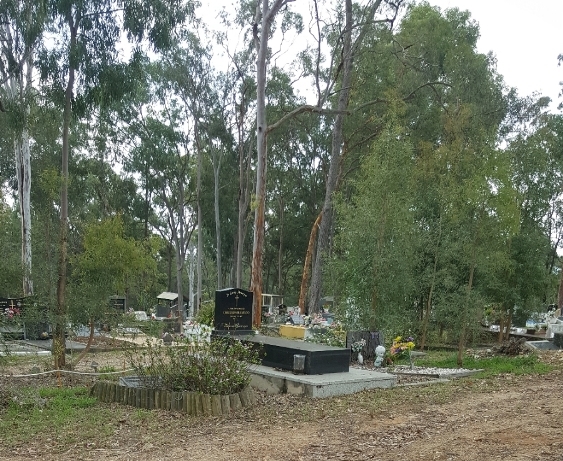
{"x":336,"y":153}
{"x":307,"y":265}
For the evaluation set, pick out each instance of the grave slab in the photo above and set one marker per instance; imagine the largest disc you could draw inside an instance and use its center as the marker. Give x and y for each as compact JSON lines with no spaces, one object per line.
{"x":319,"y":359}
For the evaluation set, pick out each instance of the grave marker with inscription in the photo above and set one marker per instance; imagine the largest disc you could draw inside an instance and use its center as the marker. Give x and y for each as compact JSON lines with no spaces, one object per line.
{"x":233,"y":311}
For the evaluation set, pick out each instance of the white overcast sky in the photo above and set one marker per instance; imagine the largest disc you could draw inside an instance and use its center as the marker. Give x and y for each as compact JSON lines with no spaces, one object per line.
{"x":525,"y":36}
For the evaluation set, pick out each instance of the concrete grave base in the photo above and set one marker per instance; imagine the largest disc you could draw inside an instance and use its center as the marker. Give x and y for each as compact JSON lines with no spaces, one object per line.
{"x":355,"y":380}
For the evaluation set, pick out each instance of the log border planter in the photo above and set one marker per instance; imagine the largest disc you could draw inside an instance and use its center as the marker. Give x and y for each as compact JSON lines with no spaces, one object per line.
{"x":191,"y":403}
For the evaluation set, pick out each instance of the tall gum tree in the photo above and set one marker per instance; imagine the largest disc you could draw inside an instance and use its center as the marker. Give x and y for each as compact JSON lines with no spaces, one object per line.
{"x":266,"y":12}
{"x":350,"y":40}
{"x":21,"y":29}
{"x":89,"y":32}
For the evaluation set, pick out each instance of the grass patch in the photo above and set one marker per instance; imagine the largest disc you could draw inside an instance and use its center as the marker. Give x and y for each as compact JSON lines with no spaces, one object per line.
{"x":69,"y":413}
{"x":491,"y":366}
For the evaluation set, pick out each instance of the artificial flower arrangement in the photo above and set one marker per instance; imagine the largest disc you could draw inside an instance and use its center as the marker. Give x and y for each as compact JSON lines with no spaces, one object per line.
{"x":359,"y":345}
{"x":401,"y":347}
{"x":11,"y":312}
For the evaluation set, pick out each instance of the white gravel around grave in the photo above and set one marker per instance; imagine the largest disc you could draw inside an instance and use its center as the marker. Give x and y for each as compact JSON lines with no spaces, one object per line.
{"x":431,"y":371}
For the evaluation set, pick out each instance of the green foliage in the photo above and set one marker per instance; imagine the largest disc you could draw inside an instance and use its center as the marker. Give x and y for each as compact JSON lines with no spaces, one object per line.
{"x":216,"y":367}
{"x":372,"y":268}
{"x":109,"y":264}
{"x":206,"y":313}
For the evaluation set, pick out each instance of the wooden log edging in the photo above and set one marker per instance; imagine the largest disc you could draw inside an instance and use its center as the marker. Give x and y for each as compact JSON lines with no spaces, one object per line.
{"x":191,"y":403}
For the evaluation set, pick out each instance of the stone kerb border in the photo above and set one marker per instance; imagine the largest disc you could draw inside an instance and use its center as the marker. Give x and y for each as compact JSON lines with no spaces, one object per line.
{"x":191,"y":403}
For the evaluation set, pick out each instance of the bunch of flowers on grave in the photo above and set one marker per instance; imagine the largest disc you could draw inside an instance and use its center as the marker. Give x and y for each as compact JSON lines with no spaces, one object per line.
{"x":358,"y":346}
{"x":317,"y":321}
{"x":401,"y":347}
{"x":10,"y":315}
{"x":334,"y":335}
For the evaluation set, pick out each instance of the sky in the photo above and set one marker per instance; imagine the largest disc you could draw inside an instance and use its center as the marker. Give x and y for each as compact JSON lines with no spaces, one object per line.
{"x":526,"y":38}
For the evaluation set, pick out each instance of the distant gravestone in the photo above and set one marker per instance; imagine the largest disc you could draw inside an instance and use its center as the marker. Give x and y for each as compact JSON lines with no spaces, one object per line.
{"x":297,"y":319}
{"x":233,"y":311}
{"x":372,"y":339}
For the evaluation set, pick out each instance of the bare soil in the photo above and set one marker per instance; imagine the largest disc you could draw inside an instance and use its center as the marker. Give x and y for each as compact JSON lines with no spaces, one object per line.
{"x":507,"y":417}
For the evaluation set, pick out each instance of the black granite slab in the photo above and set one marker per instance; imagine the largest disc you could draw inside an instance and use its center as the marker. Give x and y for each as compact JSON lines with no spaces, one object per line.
{"x":319,"y":359}
{"x":233,"y":310}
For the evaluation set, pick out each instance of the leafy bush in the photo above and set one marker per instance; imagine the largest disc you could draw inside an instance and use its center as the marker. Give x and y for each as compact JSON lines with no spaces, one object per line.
{"x":218,"y":367}
{"x":206,"y":313}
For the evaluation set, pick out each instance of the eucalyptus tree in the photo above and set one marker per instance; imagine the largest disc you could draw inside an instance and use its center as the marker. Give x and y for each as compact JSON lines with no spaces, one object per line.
{"x":297,"y":169}
{"x":80,"y":61}
{"x":21,"y":29}
{"x":536,"y":155}
{"x":163,"y":151}
{"x":109,"y":263}
{"x":349,"y":32}
{"x":266,"y":12}
{"x":447,"y":102}
{"x":205,"y":94}
{"x":455,"y":118}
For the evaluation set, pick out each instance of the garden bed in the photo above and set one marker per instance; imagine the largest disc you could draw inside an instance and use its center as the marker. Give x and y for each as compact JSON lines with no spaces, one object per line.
{"x":191,"y":403}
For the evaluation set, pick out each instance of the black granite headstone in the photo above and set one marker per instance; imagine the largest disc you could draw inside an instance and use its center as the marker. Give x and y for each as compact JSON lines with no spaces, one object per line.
{"x":15,"y":305}
{"x":233,"y":311}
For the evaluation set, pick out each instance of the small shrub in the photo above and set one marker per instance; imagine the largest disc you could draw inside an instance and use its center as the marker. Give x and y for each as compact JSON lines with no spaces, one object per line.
{"x":206,"y":313}
{"x":217,"y":367}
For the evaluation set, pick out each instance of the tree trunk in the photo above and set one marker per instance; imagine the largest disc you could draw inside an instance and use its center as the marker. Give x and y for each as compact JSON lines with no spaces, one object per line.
{"x":428,"y":307}
{"x":23,"y":168}
{"x":307,"y":265}
{"x":463,"y":330}
{"x":349,"y":49}
{"x":262,"y":152}
{"x":191,"y":272}
{"x":23,"y":172}
{"x":280,"y":251}
{"x":199,"y":234}
{"x":560,"y":292}
{"x":216,"y":168}
{"x":59,"y":340}
{"x":336,"y":152}
{"x":88,"y":345}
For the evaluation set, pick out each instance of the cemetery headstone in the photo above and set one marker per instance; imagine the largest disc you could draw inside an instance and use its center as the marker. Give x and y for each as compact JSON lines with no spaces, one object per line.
{"x":297,"y":320}
{"x":233,"y":311}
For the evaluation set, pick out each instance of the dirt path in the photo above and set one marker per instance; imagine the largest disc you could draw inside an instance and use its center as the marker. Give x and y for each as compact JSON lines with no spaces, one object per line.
{"x":502,"y":418}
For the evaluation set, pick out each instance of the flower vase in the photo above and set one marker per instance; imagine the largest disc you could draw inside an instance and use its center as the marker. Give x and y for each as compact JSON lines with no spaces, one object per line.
{"x":360,"y":358}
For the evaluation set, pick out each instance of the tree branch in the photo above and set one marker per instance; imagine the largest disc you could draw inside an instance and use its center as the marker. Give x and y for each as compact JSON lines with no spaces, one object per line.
{"x":301,"y":110}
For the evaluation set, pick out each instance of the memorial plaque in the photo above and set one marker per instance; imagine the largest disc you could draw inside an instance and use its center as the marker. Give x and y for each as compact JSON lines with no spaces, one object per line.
{"x":118,"y":303}
{"x":233,"y":310}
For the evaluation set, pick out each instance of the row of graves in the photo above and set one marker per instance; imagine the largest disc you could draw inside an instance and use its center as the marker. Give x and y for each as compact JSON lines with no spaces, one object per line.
{"x":233,"y":318}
